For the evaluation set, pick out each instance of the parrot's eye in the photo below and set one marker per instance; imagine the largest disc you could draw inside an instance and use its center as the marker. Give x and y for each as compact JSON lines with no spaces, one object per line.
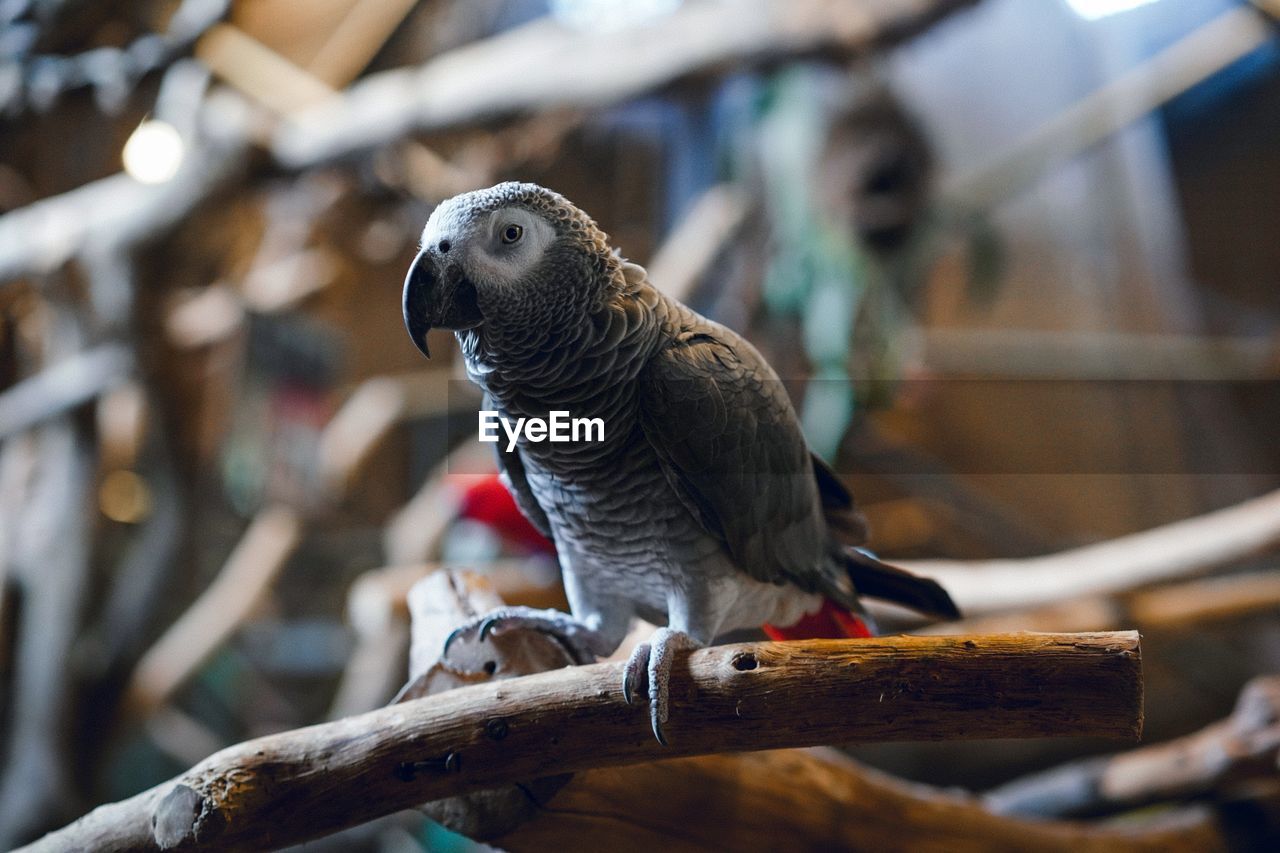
{"x":512,"y":233}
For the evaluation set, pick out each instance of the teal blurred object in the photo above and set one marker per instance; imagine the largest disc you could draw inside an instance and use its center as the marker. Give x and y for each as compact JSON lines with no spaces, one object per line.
{"x":819,"y":274}
{"x":436,"y":839}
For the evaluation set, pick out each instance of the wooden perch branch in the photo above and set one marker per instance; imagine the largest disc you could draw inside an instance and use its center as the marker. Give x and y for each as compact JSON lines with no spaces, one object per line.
{"x":798,"y":799}
{"x":267,"y":792}
{"x":544,"y":65}
{"x":1183,"y":547}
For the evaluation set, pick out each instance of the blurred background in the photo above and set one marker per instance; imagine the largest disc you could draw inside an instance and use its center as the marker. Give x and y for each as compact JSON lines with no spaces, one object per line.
{"x":1016,"y":259}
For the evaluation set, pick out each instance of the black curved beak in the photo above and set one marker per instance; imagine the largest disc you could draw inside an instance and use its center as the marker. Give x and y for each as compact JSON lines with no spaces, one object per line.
{"x":420,"y":285}
{"x":437,"y":295}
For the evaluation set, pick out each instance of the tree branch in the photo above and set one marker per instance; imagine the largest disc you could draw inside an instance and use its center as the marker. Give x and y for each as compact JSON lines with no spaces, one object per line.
{"x":803,"y":800}
{"x":1227,"y":754}
{"x":1181,"y":548}
{"x":544,"y":65}
{"x":63,"y":386}
{"x":39,"y":238}
{"x":1172,"y":607}
{"x":246,"y":577}
{"x":297,"y":785}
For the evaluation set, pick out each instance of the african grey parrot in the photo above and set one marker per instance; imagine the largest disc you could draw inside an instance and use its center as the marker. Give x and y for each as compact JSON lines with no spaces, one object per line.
{"x":702,"y":509}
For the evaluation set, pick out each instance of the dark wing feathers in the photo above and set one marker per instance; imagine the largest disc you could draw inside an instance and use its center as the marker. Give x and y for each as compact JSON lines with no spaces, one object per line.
{"x":511,"y":470}
{"x":731,"y":447}
{"x":843,"y":518}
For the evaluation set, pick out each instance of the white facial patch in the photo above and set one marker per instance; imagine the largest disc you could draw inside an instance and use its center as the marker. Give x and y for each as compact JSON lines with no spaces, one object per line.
{"x":477,"y":241}
{"x":450,"y":222}
{"x":509,"y":262}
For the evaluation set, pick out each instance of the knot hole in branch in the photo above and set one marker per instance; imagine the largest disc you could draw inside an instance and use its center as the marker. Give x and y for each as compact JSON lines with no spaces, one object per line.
{"x":744,"y":661}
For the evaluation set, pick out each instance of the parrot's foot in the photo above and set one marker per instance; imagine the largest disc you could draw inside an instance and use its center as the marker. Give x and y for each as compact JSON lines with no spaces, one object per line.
{"x":582,"y":643}
{"x":650,"y":664}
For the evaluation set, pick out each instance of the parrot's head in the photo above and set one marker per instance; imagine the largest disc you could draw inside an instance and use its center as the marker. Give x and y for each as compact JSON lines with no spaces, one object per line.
{"x":516,"y":260}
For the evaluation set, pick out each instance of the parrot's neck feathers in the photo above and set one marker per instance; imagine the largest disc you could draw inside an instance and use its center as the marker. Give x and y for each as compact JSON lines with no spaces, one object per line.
{"x":584,"y":363}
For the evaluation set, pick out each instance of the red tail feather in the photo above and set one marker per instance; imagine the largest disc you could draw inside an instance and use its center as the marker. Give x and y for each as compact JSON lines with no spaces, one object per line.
{"x":831,"y":622}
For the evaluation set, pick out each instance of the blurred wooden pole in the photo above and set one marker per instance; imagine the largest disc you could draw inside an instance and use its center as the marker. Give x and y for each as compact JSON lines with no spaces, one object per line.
{"x":1172,"y":550}
{"x":684,"y":258}
{"x":546,"y":65}
{"x":1227,"y":754}
{"x":1101,"y":356}
{"x":805,"y":800}
{"x":1117,"y":104}
{"x":63,"y":386}
{"x":49,"y":562}
{"x":1173,"y":606}
{"x":247,"y":576}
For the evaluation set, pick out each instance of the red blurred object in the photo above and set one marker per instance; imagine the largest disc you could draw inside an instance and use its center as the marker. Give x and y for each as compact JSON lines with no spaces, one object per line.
{"x":830,"y":622}
{"x":489,"y":502}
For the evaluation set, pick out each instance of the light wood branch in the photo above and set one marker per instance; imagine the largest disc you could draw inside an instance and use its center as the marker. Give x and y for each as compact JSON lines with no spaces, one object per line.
{"x":1172,"y":550}
{"x":239,"y":588}
{"x":382,"y":594}
{"x":797,"y":799}
{"x":50,"y":566}
{"x":63,"y":386}
{"x":117,"y":211}
{"x":545,"y":65}
{"x":1172,"y":606}
{"x":267,"y":792}
{"x":439,"y":603}
{"x":376,"y":407}
{"x":378,"y":612}
{"x":1114,"y":106}
{"x":414,"y":533}
{"x":684,"y":258}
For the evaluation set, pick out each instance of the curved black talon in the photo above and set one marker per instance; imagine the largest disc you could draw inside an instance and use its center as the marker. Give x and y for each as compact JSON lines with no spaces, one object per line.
{"x":657,"y":731}
{"x":448,"y":641}
{"x":487,"y":626}
{"x":626,"y":690}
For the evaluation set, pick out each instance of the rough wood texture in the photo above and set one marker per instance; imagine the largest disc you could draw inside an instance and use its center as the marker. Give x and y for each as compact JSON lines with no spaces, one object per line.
{"x":378,"y":612}
{"x":303,"y":784}
{"x":544,"y":65}
{"x":804,"y":800}
{"x":439,"y":603}
{"x":796,"y":799}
